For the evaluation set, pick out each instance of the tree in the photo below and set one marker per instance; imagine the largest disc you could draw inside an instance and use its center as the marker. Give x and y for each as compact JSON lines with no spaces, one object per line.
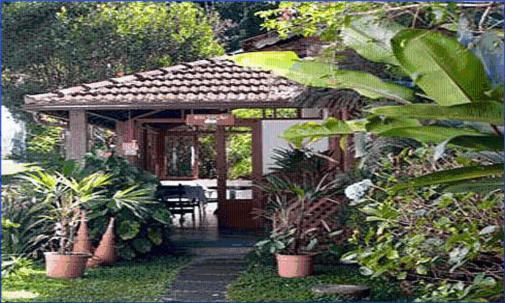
{"x":54,"y":45}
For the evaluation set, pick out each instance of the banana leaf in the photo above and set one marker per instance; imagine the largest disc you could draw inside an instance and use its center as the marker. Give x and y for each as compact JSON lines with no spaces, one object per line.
{"x":443,"y":68}
{"x":452,"y":175}
{"x":488,"y":112}
{"x":321,"y":74}
{"x":371,"y":38}
{"x":483,"y":186}
{"x":429,"y":134}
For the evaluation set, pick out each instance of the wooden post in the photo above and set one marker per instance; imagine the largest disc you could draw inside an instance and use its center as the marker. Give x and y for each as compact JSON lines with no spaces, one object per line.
{"x":77,"y":137}
{"x":257,"y":168}
{"x":221,"y":164}
{"x":120,"y":133}
{"x":196,"y":147}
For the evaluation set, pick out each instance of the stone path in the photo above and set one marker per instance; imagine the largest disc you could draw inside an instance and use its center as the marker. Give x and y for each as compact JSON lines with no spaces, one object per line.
{"x":206,"y":278}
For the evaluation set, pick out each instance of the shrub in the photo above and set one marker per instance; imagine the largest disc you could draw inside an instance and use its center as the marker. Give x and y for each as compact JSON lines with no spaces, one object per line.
{"x":142,"y":224}
{"x":449,"y":246}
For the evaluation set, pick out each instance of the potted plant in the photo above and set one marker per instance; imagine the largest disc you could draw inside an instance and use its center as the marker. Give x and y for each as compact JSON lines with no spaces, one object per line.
{"x":292,"y":240}
{"x":63,"y":197}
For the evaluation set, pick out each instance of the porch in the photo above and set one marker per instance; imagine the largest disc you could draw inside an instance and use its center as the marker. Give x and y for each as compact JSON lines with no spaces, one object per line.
{"x":158,"y":117}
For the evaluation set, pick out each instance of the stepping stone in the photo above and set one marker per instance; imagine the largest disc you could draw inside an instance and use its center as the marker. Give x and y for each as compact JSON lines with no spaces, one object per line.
{"x":344,"y":290}
{"x":206,"y":279}
{"x":189,"y":277}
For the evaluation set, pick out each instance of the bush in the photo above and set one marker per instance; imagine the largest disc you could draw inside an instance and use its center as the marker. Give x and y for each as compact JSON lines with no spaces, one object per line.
{"x":448,"y":246}
{"x":140,"y":227}
{"x":24,"y":231}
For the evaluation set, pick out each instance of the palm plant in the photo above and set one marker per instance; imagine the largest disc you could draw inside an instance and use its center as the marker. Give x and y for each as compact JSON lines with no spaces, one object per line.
{"x":63,"y":198}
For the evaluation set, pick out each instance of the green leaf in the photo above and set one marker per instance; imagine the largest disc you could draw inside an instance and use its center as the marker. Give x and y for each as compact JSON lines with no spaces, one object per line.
{"x":476,"y":186}
{"x":128,"y":229}
{"x":444,"y":69}
{"x":313,"y":131}
{"x":162,"y":215}
{"x":479,"y":143}
{"x":453,"y":175}
{"x":154,"y":235}
{"x":371,"y":38}
{"x":378,"y":125}
{"x":392,"y":254}
{"x":421,"y":269}
{"x":142,"y":245}
{"x":127,"y":253}
{"x":488,"y":112}
{"x":321,"y":74}
{"x":429,"y":134}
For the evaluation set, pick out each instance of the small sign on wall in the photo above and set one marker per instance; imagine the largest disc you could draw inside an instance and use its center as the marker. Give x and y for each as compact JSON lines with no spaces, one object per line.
{"x":210,"y":119}
{"x":130,"y":148}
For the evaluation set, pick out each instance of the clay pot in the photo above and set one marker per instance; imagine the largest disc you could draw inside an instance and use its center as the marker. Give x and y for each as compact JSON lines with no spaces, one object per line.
{"x":294,"y":266}
{"x":82,"y":244}
{"x":66,"y":266}
{"x":105,"y":253}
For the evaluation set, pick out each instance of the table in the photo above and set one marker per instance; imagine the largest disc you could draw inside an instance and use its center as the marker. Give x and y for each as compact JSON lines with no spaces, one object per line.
{"x":183,"y":199}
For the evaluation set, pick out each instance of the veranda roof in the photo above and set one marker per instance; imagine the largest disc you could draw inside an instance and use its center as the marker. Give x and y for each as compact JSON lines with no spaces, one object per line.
{"x":215,"y":83}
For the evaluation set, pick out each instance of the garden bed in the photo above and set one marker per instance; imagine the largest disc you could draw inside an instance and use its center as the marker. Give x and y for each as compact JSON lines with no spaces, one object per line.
{"x":140,"y":280}
{"x":261,"y":283}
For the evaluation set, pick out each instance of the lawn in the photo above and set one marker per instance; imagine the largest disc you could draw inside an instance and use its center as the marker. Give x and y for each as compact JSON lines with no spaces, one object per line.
{"x":261,"y":283}
{"x":141,"y":280}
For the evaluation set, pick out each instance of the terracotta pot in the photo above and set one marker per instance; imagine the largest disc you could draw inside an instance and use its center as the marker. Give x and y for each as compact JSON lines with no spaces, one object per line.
{"x":82,"y":244}
{"x":105,"y":253}
{"x":294,"y":266}
{"x":67,"y":266}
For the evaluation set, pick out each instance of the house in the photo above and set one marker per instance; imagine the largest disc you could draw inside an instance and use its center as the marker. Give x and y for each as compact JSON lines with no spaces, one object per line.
{"x":156,"y":111}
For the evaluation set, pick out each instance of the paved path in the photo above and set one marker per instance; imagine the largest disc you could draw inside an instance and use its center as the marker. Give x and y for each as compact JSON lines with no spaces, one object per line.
{"x":206,"y":279}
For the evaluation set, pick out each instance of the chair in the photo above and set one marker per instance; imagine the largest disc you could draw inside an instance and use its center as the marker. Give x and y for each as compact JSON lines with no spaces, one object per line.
{"x":177,"y":203}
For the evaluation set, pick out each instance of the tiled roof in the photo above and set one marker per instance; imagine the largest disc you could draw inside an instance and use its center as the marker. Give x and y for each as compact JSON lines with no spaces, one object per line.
{"x":215,"y":82}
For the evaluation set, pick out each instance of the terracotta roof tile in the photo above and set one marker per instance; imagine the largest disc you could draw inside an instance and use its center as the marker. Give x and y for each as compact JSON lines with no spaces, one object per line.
{"x":215,"y":81}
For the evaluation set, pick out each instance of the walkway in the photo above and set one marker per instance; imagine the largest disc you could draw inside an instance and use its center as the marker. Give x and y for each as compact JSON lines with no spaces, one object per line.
{"x":219,"y":260}
{"x":206,"y":279}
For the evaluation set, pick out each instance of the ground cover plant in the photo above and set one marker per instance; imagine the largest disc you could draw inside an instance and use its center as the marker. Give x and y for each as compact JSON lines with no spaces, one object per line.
{"x":261,"y":283}
{"x":127,"y":281}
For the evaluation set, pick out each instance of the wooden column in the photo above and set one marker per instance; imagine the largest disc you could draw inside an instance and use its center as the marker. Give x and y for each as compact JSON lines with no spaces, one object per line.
{"x":257,"y":169}
{"x":77,"y":136}
{"x":221,"y":164}
{"x":120,"y":133}
{"x":196,"y":147}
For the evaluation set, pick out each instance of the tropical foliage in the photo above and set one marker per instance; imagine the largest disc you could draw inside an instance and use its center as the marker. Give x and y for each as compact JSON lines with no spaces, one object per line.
{"x":297,"y":182}
{"x":430,"y":217}
{"x":142,"y":224}
{"x":448,"y":246}
{"x":451,"y":85}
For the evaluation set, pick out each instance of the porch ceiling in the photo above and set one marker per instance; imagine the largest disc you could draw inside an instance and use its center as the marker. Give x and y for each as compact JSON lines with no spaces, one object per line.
{"x":205,"y":84}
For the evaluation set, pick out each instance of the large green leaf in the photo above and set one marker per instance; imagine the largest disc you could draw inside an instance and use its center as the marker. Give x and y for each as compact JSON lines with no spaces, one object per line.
{"x":379,"y":125}
{"x":312,"y":131}
{"x":444,"y":69}
{"x":162,"y":215}
{"x":128,"y":229}
{"x":429,"y":134}
{"x":371,"y":38}
{"x":479,"y":143}
{"x":489,"y":112}
{"x":321,"y":74}
{"x":453,"y":175}
{"x":484,"y":186}
{"x":142,"y":245}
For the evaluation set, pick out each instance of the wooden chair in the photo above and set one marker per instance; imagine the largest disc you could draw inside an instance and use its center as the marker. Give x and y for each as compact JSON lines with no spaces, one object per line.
{"x":177,"y":203}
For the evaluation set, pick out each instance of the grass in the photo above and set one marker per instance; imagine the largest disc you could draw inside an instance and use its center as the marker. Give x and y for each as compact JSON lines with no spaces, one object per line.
{"x":261,"y":283}
{"x":141,"y":280}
